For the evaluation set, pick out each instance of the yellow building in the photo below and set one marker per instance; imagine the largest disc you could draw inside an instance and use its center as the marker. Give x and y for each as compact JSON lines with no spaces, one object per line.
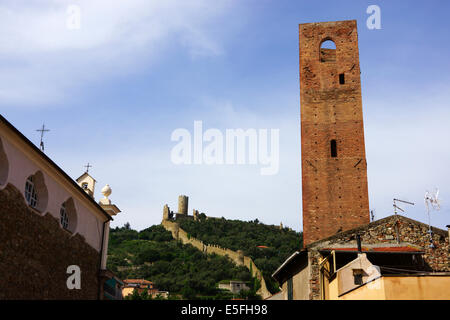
{"x":391,"y":258}
{"x":362,"y":280}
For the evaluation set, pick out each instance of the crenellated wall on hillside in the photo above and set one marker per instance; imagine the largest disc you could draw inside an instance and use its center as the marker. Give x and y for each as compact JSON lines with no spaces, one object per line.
{"x":236,"y":256}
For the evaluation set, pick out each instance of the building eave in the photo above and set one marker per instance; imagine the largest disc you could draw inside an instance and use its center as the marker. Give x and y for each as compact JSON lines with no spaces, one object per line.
{"x":296,"y":256}
{"x":82,"y":176}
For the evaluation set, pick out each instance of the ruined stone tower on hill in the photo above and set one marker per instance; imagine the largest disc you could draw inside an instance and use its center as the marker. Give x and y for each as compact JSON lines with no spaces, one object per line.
{"x":334,"y":169}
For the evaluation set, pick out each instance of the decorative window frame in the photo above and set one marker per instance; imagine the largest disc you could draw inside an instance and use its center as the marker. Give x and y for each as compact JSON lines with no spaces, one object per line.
{"x":64,"y":217}
{"x":35,"y":193}
{"x":68,"y":218}
{"x":31,"y":195}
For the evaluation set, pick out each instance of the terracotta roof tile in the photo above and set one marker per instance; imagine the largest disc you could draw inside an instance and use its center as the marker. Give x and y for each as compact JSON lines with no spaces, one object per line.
{"x":376,"y":249}
{"x":139,"y":281}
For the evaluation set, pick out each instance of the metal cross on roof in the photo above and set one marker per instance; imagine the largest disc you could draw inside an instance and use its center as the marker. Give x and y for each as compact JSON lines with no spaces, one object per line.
{"x":42,"y":131}
{"x":87,"y":167}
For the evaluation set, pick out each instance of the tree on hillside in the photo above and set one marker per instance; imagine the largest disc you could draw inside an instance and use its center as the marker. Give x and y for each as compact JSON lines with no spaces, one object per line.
{"x":268,"y":246}
{"x":153,"y":255}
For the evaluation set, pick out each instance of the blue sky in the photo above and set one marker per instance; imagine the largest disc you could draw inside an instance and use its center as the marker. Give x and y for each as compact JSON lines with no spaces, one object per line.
{"x":113,"y":91}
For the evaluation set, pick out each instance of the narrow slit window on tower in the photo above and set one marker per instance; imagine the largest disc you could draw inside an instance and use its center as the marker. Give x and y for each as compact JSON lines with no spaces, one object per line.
{"x":333,"y":148}
{"x":341,"y":78}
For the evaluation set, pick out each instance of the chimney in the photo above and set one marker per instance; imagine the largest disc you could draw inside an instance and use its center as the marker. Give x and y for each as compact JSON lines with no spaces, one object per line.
{"x":448,"y":228}
{"x":358,"y":241}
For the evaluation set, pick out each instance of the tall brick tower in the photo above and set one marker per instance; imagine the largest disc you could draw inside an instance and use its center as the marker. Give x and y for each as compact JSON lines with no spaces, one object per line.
{"x":334,"y":169}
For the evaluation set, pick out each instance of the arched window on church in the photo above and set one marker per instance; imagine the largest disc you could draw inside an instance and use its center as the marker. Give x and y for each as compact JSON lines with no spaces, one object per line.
{"x":327,"y":50}
{"x":333,"y":148}
{"x":68,"y":216}
{"x":30,"y":192}
{"x":36,"y":194}
{"x":64,"y":217}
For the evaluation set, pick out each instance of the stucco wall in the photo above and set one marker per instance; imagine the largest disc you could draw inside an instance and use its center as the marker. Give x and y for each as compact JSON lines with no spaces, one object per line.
{"x":399,"y":288}
{"x":345,"y":275}
{"x":375,"y":291}
{"x":300,"y":285}
{"x":417,"y":288}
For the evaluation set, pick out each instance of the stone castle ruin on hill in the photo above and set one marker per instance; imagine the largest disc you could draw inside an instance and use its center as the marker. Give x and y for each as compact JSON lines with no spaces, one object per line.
{"x":170,"y":223}
{"x":182,"y":210}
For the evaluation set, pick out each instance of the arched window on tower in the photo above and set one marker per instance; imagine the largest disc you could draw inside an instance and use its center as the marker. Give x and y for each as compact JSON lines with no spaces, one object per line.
{"x":333,"y":148}
{"x":327,"y":51}
{"x":64,"y":217}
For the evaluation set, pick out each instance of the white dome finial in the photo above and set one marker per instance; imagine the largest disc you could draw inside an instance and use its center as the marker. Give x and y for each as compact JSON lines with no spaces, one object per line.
{"x":106,"y":191}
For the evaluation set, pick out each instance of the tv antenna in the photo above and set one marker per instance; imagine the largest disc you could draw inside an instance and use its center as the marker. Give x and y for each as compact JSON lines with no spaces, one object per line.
{"x":395,"y":211}
{"x":431,"y":200}
{"x":397,"y":207}
{"x":42,"y":131}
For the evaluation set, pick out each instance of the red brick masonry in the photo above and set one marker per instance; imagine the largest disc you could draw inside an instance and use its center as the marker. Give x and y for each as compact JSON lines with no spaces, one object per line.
{"x":334,"y":189}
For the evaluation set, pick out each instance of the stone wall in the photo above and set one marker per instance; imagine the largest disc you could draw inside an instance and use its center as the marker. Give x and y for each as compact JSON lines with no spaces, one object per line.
{"x":380,"y":232}
{"x":35,"y":253}
{"x":236,"y":256}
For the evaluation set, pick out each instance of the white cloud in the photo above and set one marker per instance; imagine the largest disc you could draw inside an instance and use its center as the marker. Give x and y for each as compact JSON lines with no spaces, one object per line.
{"x":41,"y":58}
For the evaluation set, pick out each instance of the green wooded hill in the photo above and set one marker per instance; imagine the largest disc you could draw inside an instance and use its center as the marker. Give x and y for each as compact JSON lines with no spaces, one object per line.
{"x":183,"y":270}
{"x":249,"y":237}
